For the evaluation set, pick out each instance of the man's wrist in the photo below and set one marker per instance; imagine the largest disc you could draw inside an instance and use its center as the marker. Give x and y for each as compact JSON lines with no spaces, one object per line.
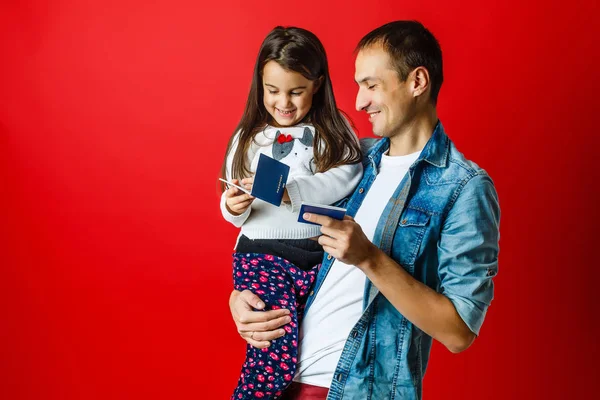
{"x":371,"y":259}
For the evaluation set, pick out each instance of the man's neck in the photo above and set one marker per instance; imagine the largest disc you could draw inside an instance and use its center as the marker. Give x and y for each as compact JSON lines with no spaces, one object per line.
{"x":414,"y":136}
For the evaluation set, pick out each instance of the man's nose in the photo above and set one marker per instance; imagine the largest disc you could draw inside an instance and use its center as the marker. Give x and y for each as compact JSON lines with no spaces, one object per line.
{"x":362,"y":100}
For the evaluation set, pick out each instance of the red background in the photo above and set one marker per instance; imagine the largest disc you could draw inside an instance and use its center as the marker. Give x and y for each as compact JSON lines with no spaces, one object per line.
{"x":114,"y":116}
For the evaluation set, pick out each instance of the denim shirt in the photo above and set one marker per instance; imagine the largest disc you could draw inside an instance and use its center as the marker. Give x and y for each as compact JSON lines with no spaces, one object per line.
{"x":442,"y":226}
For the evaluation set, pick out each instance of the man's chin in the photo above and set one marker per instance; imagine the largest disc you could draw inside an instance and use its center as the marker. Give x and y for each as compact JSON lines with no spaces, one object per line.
{"x":376,"y":131}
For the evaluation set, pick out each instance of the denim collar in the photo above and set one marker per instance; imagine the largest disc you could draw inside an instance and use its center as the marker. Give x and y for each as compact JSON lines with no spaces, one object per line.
{"x":435,"y":151}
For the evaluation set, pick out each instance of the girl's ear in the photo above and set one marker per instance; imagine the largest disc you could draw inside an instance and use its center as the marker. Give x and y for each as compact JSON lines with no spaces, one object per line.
{"x":318,"y":84}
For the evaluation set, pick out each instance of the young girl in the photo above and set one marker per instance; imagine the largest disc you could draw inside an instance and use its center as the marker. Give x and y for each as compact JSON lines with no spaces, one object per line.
{"x":290,"y":115}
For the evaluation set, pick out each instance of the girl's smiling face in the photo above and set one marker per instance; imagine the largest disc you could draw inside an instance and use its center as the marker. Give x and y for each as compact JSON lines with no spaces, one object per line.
{"x":288,"y":95}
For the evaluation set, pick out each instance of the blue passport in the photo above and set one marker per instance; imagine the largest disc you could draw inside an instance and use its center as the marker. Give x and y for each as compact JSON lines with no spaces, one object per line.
{"x":269,"y":180}
{"x":328,"y":211}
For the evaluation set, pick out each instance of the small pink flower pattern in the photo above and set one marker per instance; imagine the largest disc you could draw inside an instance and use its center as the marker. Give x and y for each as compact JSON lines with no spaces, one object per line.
{"x":267,"y":372}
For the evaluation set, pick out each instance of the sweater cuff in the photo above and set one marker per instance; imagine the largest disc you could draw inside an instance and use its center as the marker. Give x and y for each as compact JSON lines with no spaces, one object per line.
{"x":295,"y":197}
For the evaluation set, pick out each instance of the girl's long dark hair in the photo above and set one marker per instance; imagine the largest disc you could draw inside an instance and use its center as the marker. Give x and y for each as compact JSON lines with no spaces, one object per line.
{"x":298,"y":50}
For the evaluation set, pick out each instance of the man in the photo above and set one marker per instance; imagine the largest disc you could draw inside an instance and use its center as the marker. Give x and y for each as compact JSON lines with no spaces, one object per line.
{"x":413,"y":260}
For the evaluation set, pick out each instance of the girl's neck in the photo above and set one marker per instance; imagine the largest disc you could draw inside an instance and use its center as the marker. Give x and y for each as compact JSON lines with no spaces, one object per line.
{"x":272,"y":123}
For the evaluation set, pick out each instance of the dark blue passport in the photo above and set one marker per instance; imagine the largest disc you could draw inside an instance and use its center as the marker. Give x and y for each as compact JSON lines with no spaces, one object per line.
{"x":269,"y":180}
{"x":321,"y":209}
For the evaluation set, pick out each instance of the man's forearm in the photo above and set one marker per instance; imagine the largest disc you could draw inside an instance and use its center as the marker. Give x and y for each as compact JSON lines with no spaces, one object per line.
{"x":430,"y":311}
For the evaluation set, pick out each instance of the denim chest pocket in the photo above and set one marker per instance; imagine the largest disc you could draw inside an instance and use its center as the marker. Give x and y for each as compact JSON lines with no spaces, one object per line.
{"x":409,"y":235}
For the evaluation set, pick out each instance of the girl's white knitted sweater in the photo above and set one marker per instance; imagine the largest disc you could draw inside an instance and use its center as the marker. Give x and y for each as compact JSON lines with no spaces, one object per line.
{"x":294,"y":147}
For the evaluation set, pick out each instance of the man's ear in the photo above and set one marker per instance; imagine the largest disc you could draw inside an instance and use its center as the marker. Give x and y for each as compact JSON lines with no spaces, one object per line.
{"x":420,"y":82}
{"x":318,"y":84}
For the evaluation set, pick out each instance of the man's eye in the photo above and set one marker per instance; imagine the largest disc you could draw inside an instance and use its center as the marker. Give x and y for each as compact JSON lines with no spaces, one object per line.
{"x":272,"y":92}
{"x":371,"y":87}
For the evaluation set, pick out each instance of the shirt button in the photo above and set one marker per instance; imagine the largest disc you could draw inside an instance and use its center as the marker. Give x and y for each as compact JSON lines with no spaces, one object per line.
{"x":311,"y":293}
{"x":404,"y":222}
{"x":339,"y":377}
{"x":354,"y":334}
{"x":361,"y":190}
{"x":329,"y":257}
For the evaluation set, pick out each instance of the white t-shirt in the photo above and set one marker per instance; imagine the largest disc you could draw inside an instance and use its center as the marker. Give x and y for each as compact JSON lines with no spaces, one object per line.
{"x":338,"y":304}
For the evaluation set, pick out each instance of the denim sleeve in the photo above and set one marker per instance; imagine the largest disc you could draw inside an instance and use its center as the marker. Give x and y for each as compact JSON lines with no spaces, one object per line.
{"x":468,"y":250}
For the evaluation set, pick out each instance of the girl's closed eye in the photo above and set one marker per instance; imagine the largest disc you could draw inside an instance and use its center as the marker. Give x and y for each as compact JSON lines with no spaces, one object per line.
{"x":291,"y":93}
